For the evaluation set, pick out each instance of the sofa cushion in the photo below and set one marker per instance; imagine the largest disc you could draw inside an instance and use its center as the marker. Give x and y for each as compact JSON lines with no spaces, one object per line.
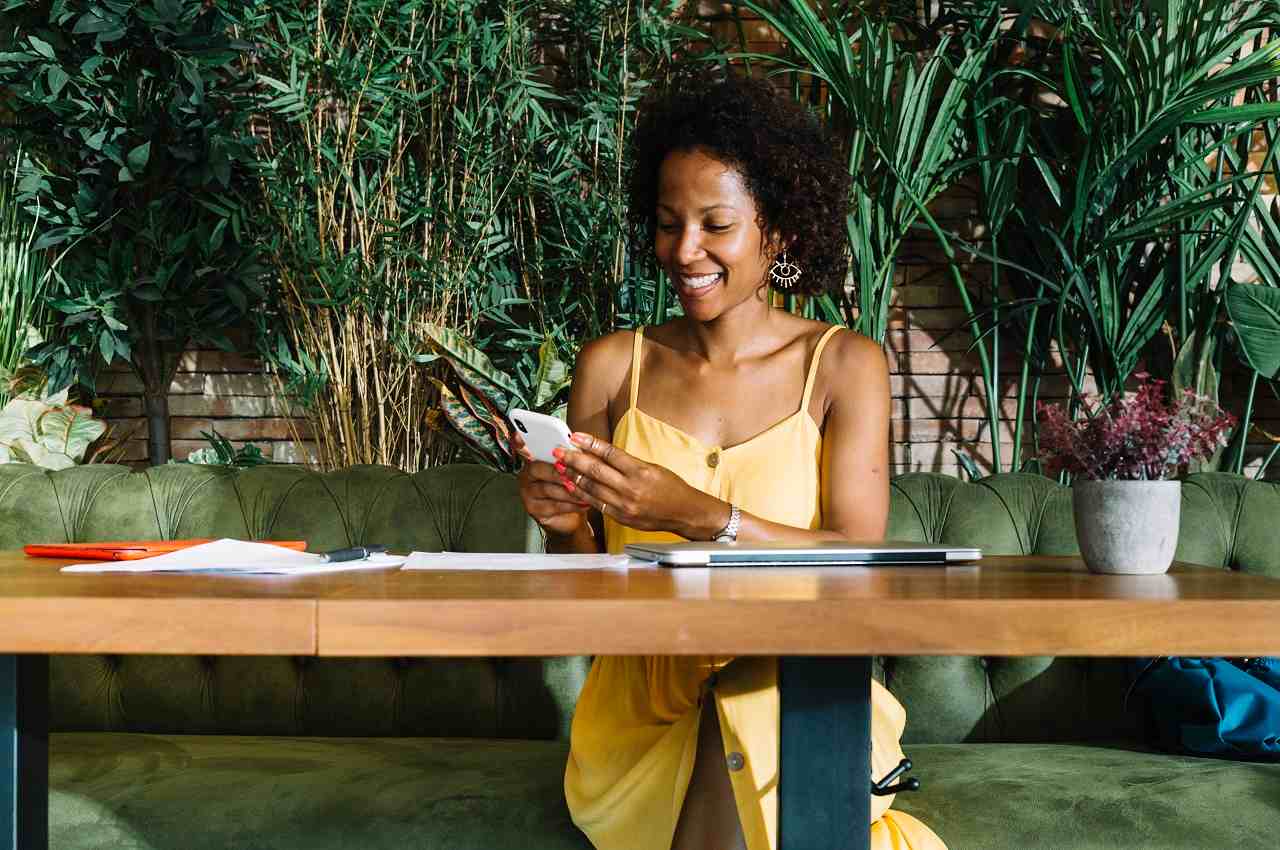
{"x":277,"y":695}
{"x":224,"y":792}
{"x":142,"y":792}
{"x":1076,"y":797}
{"x":967,"y":699}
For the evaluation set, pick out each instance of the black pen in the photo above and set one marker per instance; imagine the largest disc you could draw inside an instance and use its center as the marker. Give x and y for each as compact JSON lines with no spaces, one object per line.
{"x":355,"y":553}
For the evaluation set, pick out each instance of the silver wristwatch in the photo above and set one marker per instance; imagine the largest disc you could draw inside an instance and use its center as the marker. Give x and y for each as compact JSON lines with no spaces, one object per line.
{"x":729,"y":533}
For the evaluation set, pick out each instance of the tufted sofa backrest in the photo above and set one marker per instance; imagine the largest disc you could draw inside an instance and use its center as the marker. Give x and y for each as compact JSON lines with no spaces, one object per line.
{"x":1228,"y":522}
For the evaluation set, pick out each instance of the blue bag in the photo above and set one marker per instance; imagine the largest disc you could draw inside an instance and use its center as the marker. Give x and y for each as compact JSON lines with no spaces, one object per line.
{"x":1213,"y":706}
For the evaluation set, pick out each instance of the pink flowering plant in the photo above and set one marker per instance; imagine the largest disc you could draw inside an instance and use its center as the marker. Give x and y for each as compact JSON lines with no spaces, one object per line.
{"x":1137,"y":437}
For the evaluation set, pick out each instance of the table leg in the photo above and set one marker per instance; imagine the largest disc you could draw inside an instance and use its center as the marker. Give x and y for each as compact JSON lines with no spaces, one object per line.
{"x":24,"y":752}
{"x":824,"y":759}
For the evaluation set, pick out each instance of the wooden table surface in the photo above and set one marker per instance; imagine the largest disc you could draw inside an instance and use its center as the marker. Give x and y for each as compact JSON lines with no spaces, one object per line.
{"x":1003,"y":606}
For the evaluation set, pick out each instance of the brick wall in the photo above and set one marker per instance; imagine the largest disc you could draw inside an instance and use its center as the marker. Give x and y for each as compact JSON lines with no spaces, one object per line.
{"x":938,"y":405}
{"x":212,"y":390}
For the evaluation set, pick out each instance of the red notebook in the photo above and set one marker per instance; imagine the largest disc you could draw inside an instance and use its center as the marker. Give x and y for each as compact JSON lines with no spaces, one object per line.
{"x":130,"y":550}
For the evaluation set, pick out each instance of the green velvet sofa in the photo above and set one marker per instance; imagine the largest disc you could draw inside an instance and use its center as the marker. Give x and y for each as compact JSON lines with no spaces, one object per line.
{"x":468,"y":754}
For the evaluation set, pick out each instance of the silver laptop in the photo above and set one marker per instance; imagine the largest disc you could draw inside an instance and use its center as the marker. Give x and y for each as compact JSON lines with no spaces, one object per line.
{"x":825,"y":553}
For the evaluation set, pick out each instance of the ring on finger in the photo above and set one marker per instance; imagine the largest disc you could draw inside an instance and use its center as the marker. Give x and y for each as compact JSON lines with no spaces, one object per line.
{"x":577,"y":480}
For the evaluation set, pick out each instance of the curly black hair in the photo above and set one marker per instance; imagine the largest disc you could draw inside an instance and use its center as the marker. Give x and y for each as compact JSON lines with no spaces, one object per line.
{"x":789,"y":162}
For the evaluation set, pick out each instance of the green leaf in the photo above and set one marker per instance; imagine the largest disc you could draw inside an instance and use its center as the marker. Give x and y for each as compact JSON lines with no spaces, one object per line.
{"x":69,"y":429}
{"x":553,"y":374}
{"x":968,"y":464}
{"x":57,"y":79}
{"x":139,"y":156}
{"x":467,"y":425}
{"x":124,"y":175}
{"x":495,"y":420}
{"x":91,"y":22}
{"x":1050,"y":181}
{"x":1250,"y":112}
{"x":106,"y":345}
{"x":19,"y":420}
{"x":42,"y":47}
{"x":1254,"y":311}
{"x":473,"y":367}
{"x":237,"y":297}
{"x":1194,"y":369}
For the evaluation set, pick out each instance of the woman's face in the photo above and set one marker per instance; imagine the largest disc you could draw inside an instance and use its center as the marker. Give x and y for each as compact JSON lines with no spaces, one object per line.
{"x":708,"y":239}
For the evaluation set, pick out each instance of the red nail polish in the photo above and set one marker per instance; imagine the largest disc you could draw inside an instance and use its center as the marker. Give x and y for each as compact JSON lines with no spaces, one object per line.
{"x":558,"y":454}
{"x":568,"y":485}
{"x":561,"y":468}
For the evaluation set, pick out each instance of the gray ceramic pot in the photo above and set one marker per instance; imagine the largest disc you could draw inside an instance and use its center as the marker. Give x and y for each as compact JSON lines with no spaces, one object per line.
{"x":1127,"y":527}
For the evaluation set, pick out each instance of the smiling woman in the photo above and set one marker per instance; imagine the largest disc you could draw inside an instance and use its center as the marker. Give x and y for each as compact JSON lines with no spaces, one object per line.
{"x":735,"y":421}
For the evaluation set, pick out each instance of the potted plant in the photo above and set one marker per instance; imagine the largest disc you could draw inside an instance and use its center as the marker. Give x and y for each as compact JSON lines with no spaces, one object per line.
{"x":1122,"y":456}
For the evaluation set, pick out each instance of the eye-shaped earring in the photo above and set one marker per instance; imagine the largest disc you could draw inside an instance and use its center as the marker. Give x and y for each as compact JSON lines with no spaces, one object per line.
{"x":783,"y":274}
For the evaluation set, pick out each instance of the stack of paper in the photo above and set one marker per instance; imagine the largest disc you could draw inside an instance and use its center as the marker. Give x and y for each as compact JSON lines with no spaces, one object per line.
{"x":237,"y":557}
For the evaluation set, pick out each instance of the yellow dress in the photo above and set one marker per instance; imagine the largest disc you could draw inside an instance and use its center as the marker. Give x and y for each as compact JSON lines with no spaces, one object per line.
{"x":635,"y":728}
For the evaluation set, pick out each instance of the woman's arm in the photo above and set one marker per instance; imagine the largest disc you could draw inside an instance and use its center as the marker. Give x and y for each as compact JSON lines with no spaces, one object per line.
{"x":596,"y":380}
{"x":854,"y":474}
{"x":855,"y":443}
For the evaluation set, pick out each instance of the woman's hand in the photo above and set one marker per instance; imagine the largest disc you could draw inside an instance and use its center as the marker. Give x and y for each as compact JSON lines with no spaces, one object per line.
{"x":546,"y":495}
{"x":637,"y":494}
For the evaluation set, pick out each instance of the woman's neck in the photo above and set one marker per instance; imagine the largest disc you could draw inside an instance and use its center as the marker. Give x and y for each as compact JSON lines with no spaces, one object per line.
{"x":744,"y":331}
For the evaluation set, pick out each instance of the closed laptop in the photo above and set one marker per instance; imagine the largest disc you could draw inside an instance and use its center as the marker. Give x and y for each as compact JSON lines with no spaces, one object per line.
{"x":824,"y":553}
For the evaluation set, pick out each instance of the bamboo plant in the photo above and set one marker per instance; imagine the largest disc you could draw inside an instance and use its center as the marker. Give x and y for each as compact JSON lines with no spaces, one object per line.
{"x":24,"y":278}
{"x":452,"y":174}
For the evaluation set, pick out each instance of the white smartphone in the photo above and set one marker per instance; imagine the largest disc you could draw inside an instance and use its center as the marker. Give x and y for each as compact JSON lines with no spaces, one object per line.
{"x":541,"y":433}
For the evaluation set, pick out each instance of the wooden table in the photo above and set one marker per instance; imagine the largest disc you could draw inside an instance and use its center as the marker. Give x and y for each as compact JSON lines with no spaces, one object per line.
{"x":826,"y":623}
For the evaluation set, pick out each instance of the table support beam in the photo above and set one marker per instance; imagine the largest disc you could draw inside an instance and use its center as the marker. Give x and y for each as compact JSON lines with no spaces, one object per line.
{"x":824,"y":780}
{"x":24,"y":752}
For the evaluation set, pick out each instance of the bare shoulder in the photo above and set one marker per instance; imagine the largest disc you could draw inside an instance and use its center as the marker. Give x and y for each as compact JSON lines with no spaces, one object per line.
{"x":603,"y":364}
{"x":850,"y":349}
{"x":605,"y":353}
{"x":853,"y":368}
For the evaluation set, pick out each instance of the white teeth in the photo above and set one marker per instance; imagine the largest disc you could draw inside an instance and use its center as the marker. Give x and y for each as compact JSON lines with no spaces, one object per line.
{"x":701,"y":281}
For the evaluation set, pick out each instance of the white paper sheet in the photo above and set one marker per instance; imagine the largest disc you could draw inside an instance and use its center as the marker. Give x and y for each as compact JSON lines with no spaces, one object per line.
{"x":517,"y":561}
{"x":237,"y":557}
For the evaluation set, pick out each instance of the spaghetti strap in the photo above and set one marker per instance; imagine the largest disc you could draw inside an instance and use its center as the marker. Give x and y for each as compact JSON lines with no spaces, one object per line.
{"x":813,"y":367}
{"x":635,"y":365}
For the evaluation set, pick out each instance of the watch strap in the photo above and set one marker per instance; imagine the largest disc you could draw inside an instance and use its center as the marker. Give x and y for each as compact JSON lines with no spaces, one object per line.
{"x":729,"y":533}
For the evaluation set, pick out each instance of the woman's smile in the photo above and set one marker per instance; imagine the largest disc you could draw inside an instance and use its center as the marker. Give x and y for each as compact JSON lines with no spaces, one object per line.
{"x":698,"y":285}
